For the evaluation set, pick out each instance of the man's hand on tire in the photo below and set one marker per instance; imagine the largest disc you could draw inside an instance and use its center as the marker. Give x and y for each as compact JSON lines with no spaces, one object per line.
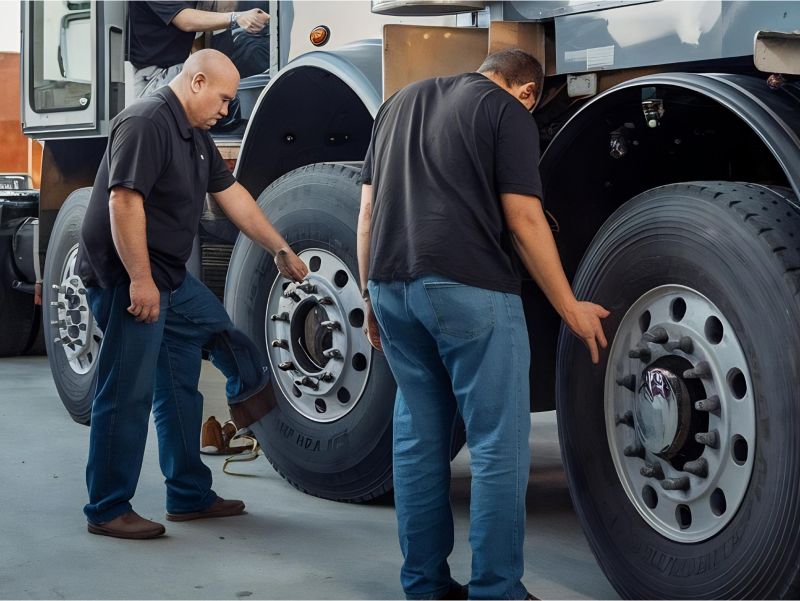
{"x":145,"y":300}
{"x":253,"y":20}
{"x":584,"y":321}
{"x":290,"y":265}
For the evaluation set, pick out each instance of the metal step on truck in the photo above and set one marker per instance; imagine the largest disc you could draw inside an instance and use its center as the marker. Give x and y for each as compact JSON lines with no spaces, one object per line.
{"x":671,"y":166}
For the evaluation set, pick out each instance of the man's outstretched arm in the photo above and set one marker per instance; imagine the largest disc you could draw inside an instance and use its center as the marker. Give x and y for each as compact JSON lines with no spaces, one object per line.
{"x":245,"y":214}
{"x":534,"y":243}
{"x":128,"y":229}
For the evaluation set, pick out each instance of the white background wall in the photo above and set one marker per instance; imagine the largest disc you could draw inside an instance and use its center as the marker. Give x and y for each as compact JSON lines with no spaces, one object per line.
{"x":9,"y":25}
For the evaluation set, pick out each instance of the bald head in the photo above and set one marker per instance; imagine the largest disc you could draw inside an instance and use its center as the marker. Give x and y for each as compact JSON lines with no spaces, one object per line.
{"x":205,"y":86}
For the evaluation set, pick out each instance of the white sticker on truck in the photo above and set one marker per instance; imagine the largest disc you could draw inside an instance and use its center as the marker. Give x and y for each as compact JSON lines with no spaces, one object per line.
{"x":594,"y":57}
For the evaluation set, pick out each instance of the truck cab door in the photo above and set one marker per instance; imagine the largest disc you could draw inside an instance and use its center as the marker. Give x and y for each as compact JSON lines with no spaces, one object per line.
{"x":72,"y":67}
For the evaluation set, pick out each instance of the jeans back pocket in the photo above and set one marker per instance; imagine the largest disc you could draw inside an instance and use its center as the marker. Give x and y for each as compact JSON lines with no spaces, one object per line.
{"x":462,"y":311}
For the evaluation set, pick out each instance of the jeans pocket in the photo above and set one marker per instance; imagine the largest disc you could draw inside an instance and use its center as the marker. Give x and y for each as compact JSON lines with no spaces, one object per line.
{"x":375,"y":301}
{"x":460,"y":310}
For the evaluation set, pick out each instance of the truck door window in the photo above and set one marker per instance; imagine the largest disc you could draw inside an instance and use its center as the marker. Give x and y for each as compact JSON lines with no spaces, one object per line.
{"x":61,"y":56}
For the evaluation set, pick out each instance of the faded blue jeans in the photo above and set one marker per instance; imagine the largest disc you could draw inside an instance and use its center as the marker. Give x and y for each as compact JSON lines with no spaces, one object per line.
{"x":144,"y":366}
{"x":455,"y":347}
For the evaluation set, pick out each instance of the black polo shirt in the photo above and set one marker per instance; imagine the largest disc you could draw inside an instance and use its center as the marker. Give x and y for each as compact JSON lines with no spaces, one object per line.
{"x":155,"y":40}
{"x":152,"y":149}
{"x":443,"y":150}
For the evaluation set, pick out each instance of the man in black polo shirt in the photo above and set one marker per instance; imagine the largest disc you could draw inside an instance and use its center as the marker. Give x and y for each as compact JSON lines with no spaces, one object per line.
{"x":451,"y":190}
{"x":162,"y":34}
{"x":136,"y":238}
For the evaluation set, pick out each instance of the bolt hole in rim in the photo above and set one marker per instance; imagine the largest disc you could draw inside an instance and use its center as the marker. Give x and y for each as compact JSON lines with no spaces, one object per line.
{"x":78,"y":333}
{"x":692,"y":500}
{"x":326,"y":356}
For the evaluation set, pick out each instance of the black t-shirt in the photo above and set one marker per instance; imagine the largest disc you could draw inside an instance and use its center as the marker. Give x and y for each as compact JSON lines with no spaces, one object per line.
{"x":442,"y":152}
{"x":155,"y":40}
{"x":152,"y":149}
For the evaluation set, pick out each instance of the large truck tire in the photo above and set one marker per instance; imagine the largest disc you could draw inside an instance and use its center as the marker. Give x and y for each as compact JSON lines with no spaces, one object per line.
{"x":681,"y":446}
{"x":334,"y":441}
{"x":71,"y":334}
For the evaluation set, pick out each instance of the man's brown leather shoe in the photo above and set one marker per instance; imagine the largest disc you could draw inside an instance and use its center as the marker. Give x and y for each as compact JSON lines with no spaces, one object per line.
{"x":220,"y":508}
{"x":128,"y":525}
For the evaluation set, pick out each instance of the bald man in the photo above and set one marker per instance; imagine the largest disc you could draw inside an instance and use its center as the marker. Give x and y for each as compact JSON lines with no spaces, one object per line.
{"x":136,"y":238}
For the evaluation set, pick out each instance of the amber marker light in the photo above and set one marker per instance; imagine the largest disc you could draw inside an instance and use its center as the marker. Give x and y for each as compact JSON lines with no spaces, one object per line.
{"x":319,"y":35}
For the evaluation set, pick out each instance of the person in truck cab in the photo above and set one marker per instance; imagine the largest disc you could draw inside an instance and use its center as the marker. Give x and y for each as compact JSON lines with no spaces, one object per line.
{"x":162,"y":34}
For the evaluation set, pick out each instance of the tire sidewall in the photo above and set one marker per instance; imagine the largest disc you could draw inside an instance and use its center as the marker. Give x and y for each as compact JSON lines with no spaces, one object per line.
{"x":677,"y":235}
{"x":76,"y":390}
{"x":315,"y":207}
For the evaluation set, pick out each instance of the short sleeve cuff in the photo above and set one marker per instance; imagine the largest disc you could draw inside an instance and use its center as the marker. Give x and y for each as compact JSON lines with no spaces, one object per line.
{"x":221,"y":184}
{"x":131,"y":185}
{"x":520,"y":189}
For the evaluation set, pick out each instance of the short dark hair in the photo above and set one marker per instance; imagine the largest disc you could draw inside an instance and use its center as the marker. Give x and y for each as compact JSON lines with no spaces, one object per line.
{"x":516,"y":67}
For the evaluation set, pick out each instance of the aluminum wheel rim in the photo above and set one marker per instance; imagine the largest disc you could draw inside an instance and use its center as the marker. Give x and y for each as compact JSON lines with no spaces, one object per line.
{"x":683,"y":312}
{"x":78,"y":333}
{"x":320,"y":392}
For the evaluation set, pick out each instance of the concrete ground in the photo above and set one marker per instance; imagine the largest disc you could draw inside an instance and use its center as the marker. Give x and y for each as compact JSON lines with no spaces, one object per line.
{"x":288,"y":545}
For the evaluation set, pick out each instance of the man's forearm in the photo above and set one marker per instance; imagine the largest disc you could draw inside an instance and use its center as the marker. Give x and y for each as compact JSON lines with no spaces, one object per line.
{"x":245,"y":214}
{"x":362,"y":235}
{"x":533,"y":241}
{"x":191,"y":19}
{"x":128,"y":229}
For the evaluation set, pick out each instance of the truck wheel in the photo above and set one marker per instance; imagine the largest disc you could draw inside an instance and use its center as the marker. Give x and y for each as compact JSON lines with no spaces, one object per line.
{"x":681,"y":446}
{"x":71,"y":334}
{"x":331,"y":434}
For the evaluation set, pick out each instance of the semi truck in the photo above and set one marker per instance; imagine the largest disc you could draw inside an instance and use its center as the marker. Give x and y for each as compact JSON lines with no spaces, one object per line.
{"x":670,"y":168}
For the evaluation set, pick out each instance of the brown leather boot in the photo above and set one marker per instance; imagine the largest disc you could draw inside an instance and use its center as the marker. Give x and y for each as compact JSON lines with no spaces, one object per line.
{"x":220,"y":508}
{"x":128,"y":525}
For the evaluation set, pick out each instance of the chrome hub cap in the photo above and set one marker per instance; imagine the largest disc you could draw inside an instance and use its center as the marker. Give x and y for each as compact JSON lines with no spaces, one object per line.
{"x":680,"y":415}
{"x":662,"y":411}
{"x":78,"y":333}
{"x":317,"y":348}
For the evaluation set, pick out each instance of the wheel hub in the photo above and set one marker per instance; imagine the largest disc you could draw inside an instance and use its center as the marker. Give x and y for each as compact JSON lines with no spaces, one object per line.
{"x":662,"y":412}
{"x":318,"y":351}
{"x":680,"y":413}
{"x":77,"y":330}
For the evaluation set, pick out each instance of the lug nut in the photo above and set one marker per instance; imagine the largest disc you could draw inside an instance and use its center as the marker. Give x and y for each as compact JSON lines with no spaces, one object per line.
{"x":681,"y":483}
{"x":658,"y":335}
{"x":626,"y":418}
{"x":326,"y":300}
{"x":327,"y":377}
{"x":701,"y":370}
{"x":308,"y":383}
{"x":282,"y":317}
{"x":641,"y":352}
{"x":634,"y":450}
{"x":711,"y":404}
{"x":280,"y":344}
{"x":685,"y":345}
{"x":60,"y":323}
{"x":307,"y":288}
{"x":294,"y":296}
{"x":333,"y":353}
{"x":698,"y":467}
{"x":331,"y":325}
{"x":653,"y":470}
{"x":628,"y":382}
{"x":55,"y":287}
{"x":286,"y":366}
{"x":710,"y":439}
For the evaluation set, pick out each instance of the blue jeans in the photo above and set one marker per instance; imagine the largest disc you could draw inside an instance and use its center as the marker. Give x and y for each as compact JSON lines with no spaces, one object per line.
{"x":144,"y":366}
{"x":455,"y":347}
